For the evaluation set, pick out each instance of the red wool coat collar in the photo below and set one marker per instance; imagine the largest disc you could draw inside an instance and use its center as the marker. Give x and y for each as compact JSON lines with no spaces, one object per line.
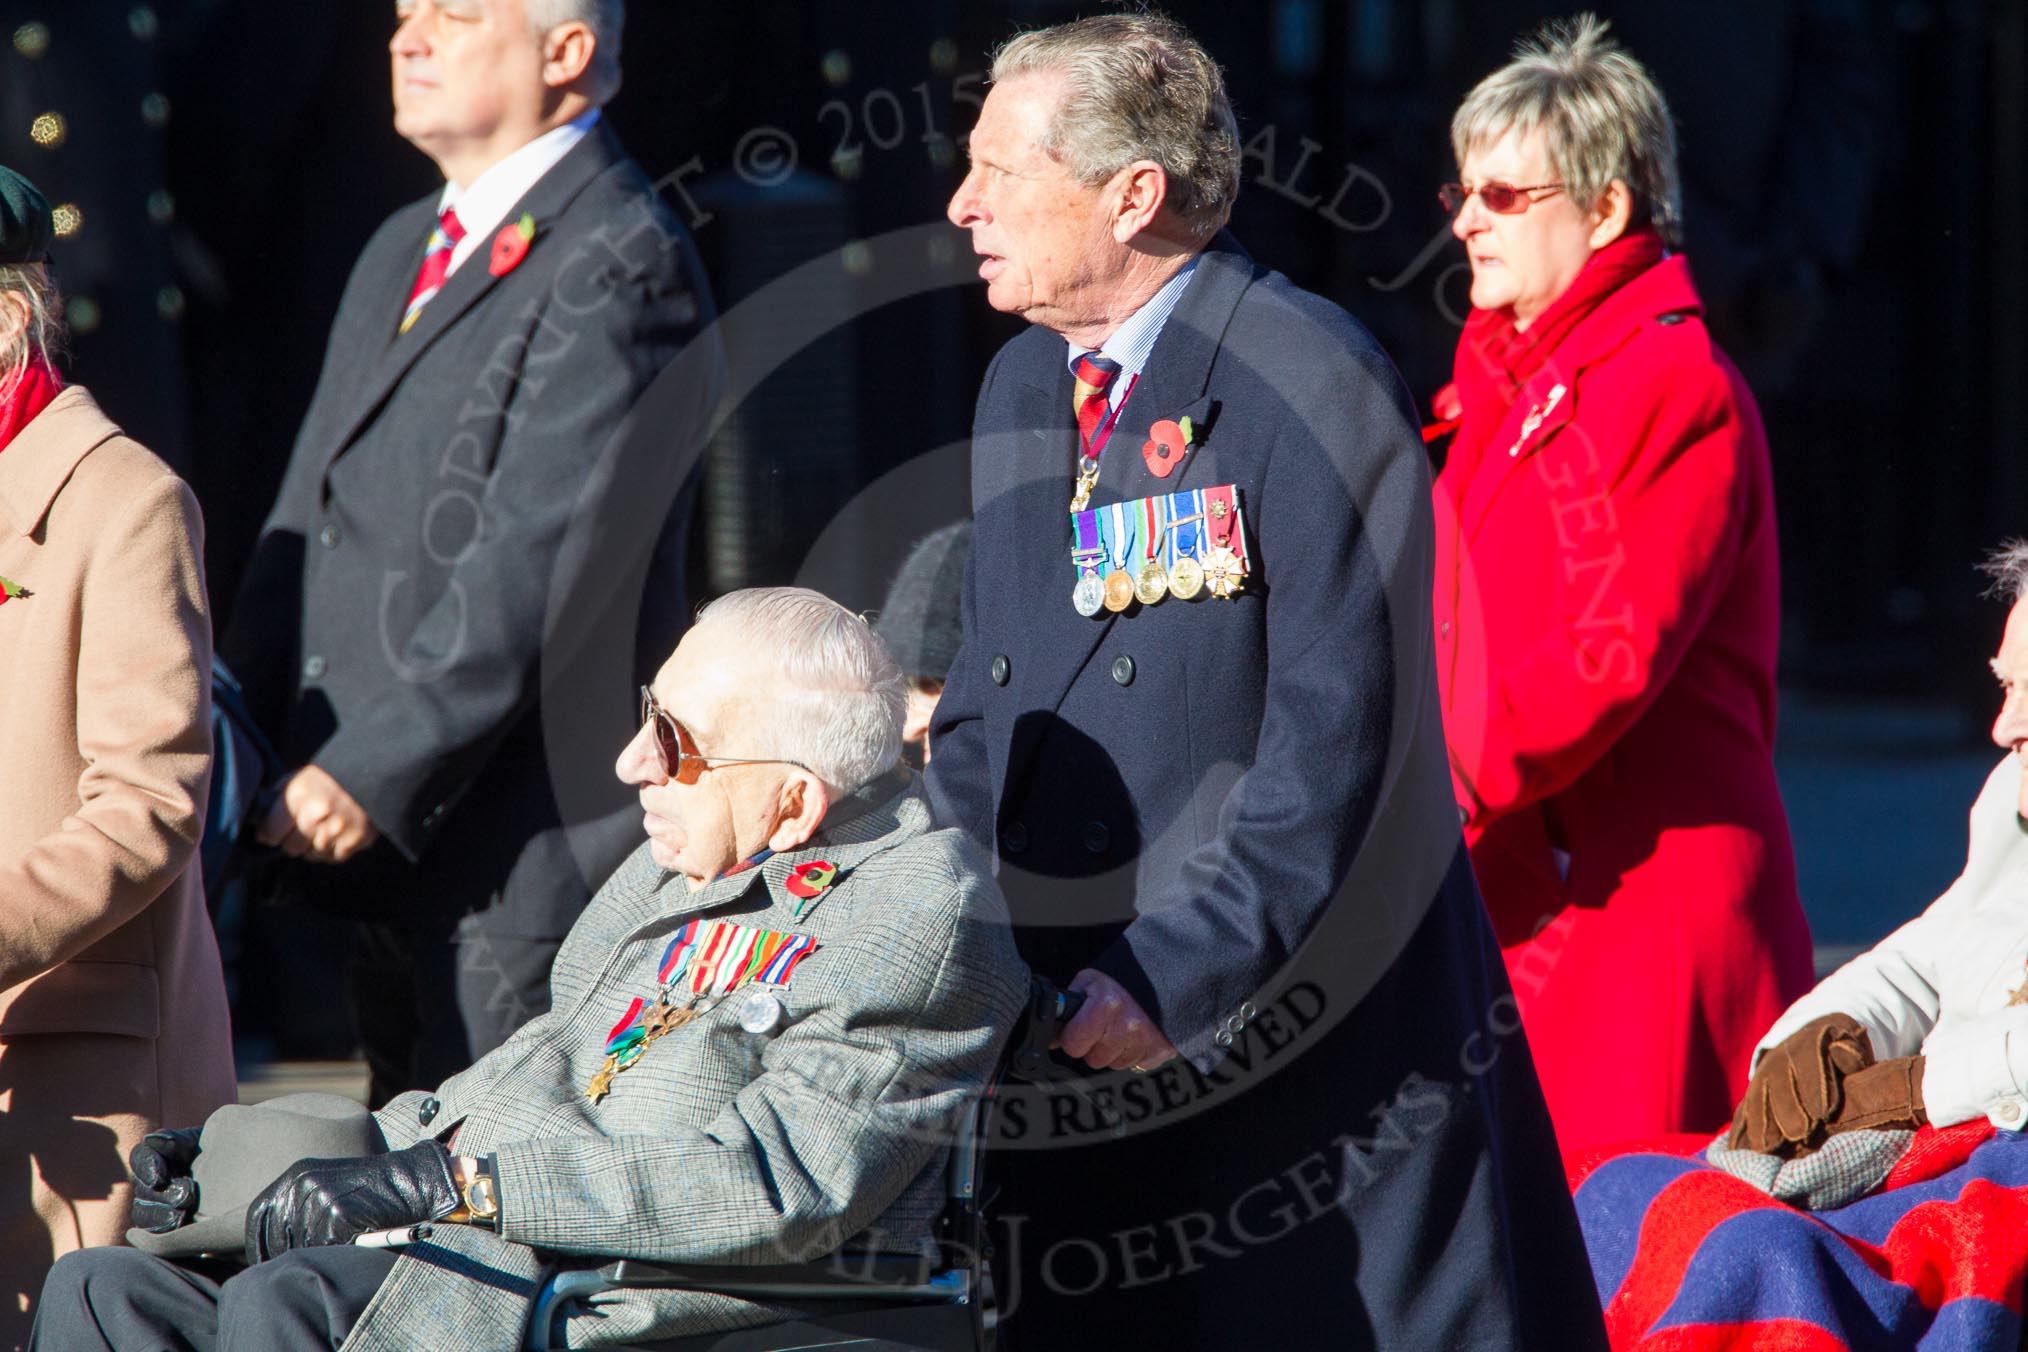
{"x":1548,"y":400}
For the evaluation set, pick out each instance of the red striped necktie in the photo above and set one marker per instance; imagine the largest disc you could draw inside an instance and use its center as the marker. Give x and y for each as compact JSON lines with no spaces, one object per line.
{"x":436,"y":265}
{"x":1095,"y":374}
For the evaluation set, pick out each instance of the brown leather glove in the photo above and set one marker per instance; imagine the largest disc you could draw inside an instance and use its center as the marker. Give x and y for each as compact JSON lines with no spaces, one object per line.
{"x":1796,"y":1090}
{"x":1886,"y":1094}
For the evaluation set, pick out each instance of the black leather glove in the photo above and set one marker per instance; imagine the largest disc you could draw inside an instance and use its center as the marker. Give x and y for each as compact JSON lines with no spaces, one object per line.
{"x":318,"y":1202}
{"x":165,"y":1195}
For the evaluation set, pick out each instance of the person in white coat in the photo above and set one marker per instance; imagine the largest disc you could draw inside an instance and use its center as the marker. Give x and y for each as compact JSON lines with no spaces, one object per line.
{"x":1931,"y":1025}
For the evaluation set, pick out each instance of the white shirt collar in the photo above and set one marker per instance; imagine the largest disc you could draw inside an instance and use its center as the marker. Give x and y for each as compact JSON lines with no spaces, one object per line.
{"x":483,"y":207}
{"x":1135,"y":339}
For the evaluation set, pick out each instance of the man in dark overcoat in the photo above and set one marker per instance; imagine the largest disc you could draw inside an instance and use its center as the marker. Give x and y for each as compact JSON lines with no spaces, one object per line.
{"x":516,"y":382}
{"x":1195,"y":717}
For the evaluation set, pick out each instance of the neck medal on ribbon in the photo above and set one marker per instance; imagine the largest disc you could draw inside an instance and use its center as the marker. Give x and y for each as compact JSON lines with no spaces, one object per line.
{"x":704,"y":963}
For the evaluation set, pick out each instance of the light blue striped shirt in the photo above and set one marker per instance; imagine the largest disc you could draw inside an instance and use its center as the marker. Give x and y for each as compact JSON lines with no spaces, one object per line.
{"x":1134,"y":340}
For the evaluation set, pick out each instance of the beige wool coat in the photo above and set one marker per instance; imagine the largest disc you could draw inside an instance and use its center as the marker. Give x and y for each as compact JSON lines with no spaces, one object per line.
{"x":112,"y":1007}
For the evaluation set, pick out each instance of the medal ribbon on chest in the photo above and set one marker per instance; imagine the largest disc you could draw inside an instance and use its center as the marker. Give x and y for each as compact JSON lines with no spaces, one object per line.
{"x":1180,"y":544}
{"x":1226,"y":567}
{"x":708,"y":960}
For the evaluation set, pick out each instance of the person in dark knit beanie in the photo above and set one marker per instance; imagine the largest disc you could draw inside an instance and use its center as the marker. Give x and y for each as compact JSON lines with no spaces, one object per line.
{"x":919,"y":623}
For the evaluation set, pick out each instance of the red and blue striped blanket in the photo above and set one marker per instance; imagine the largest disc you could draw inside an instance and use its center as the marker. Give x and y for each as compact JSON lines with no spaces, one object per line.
{"x":1690,"y":1259}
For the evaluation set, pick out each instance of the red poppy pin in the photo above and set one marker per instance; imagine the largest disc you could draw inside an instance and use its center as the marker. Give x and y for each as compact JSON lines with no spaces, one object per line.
{"x":510,"y":246}
{"x":12,"y":591}
{"x":810,"y":880}
{"x":1168,"y":443}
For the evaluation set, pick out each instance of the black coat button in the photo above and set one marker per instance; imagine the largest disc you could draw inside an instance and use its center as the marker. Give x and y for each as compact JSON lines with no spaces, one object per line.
{"x":426,"y":1111}
{"x":1013,"y":838}
{"x":1096,"y":838}
{"x":1123,"y":670}
{"x":1002,"y":669}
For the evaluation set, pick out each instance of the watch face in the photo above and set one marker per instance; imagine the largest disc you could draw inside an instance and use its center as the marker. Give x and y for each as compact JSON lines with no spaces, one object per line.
{"x":480,"y":1197}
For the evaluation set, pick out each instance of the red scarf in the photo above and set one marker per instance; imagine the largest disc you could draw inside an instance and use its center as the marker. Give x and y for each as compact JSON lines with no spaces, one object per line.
{"x":1495,"y":358}
{"x":30,"y":393}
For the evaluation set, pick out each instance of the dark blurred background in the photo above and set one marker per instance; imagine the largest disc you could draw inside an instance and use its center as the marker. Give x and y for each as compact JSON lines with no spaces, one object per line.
{"x":1854,"y":176}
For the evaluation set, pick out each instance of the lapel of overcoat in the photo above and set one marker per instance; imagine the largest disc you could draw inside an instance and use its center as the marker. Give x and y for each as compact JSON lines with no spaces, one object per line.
{"x":1175,"y":385}
{"x":472,"y":282}
{"x":1548,"y":402}
{"x":44,"y":454}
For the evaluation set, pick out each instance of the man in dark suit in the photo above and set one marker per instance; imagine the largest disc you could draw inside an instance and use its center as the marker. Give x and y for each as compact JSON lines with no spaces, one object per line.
{"x":1195,"y":716}
{"x":469,"y":531}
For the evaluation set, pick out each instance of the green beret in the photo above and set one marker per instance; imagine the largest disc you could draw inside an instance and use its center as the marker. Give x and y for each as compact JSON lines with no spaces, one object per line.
{"x":26,"y":230}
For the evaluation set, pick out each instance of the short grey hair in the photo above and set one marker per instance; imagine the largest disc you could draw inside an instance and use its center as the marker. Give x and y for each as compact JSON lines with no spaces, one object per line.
{"x":2008,"y":567}
{"x":43,"y":336}
{"x":1138,"y":87}
{"x":1603,"y":115}
{"x":607,"y":20}
{"x":839,"y":699}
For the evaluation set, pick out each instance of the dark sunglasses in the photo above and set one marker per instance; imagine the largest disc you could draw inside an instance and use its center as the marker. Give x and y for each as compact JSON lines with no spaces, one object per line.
{"x":1503,"y":199}
{"x":678,"y":750}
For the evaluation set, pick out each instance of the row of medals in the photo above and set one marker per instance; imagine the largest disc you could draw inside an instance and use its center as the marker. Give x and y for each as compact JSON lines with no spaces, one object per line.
{"x":1221,"y":573}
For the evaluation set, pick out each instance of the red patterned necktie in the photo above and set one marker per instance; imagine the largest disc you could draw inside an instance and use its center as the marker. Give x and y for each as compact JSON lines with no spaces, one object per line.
{"x":1095,"y":374}
{"x":436,"y":265}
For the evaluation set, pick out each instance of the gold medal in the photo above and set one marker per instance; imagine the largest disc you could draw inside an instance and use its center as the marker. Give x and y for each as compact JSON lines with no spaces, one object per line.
{"x":1224,"y":574}
{"x":1186,"y":578}
{"x":1152,"y":583}
{"x":1119,"y":590}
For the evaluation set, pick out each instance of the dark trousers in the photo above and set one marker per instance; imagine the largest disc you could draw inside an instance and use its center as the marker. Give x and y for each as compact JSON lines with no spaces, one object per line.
{"x":429,"y":1000}
{"x":402,"y":982}
{"x":123,"y":1300}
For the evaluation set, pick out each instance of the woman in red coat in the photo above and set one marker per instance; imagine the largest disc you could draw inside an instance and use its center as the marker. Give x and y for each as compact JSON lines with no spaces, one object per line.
{"x":1607,"y":605}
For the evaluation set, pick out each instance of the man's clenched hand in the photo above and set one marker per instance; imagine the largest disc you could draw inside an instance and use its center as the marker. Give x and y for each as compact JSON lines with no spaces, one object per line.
{"x":315,"y":818}
{"x":1112,"y":1031}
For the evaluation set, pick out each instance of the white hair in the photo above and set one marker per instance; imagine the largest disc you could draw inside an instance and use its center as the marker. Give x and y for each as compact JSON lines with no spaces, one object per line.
{"x":2008,"y":567}
{"x":42,"y":337}
{"x":607,"y":20}
{"x":838,"y":699}
{"x":1137,"y":87}
{"x":1603,"y":115}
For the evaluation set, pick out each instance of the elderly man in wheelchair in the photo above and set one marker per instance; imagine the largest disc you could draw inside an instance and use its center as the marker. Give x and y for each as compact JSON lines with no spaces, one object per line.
{"x":767,"y":1029}
{"x":1872,"y":1189}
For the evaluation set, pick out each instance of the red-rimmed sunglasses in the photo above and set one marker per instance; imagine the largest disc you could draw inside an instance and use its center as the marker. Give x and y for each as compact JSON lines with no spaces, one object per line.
{"x":1502,"y":199}
{"x":677,"y":750}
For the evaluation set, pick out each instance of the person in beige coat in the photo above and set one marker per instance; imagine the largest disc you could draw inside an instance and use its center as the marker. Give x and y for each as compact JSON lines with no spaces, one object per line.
{"x":112,"y":1005}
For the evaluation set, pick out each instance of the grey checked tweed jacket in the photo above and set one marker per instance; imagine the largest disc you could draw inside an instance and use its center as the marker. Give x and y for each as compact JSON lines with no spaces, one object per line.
{"x":720,"y":1145}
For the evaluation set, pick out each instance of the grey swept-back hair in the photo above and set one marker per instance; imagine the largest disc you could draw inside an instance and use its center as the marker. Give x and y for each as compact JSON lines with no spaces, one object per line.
{"x":607,"y":20}
{"x":1602,"y":113}
{"x":837,"y":700}
{"x":2008,"y":567}
{"x":44,"y":334}
{"x":1138,"y":87}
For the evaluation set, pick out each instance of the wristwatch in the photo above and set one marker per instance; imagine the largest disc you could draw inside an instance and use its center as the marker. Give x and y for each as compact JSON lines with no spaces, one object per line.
{"x":482,"y":1197}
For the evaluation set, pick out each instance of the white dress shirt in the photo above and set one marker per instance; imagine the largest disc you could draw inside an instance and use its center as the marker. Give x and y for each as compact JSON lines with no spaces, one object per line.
{"x":1135,"y":339}
{"x":483,"y":207}
{"x":1942,"y":983}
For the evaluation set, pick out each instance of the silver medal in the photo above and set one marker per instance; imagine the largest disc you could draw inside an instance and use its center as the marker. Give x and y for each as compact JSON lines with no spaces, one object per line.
{"x":1090,"y":596}
{"x":760,"y":1013}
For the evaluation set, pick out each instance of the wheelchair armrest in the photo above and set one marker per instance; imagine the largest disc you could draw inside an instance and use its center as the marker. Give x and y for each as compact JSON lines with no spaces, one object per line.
{"x":898,"y":1278}
{"x":845,"y":1277}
